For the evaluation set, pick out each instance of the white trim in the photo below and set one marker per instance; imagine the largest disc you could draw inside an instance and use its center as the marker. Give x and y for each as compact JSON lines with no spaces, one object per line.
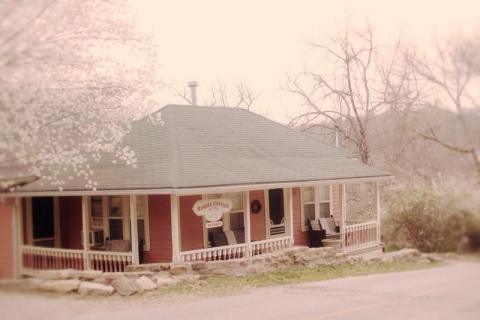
{"x":290,"y":215}
{"x":267,"y":213}
{"x":246,"y":222}
{"x":134,"y":229}
{"x":85,"y":232}
{"x":200,"y":190}
{"x":175,"y":226}
{"x":343,"y":223}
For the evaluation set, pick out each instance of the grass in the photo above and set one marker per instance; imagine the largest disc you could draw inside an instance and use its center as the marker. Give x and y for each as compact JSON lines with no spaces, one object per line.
{"x":222,"y":284}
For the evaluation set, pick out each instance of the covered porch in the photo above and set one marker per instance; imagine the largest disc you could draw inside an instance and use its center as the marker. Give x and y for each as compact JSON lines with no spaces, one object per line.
{"x":79,"y":232}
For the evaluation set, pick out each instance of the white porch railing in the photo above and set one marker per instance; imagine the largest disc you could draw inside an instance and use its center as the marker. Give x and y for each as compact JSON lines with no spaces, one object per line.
{"x":361,"y":236}
{"x":236,"y":251}
{"x":270,"y":245}
{"x":35,"y":259}
{"x":217,"y":253}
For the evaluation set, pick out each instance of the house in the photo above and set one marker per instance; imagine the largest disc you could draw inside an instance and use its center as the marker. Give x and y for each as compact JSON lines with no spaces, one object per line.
{"x":210,"y":183}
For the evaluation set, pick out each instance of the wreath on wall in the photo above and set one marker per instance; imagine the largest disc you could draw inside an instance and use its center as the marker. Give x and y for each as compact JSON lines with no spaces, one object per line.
{"x":255,"y":206}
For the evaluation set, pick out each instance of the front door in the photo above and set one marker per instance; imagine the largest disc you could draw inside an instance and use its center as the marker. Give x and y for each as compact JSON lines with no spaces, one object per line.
{"x":276,"y":212}
{"x":43,"y":222}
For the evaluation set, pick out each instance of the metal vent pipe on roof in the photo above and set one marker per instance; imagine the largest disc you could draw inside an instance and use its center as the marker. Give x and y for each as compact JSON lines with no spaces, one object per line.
{"x":193,"y":92}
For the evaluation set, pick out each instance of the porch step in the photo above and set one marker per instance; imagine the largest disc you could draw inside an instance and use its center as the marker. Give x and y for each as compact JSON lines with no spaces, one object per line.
{"x":335,"y":243}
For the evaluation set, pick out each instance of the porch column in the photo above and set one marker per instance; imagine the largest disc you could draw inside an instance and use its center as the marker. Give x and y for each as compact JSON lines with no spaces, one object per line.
{"x":377,"y":195}
{"x":134,"y":229}
{"x":85,"y":233}
{"x":246,"y":222}
{"x":175,"y":225}
{"x":18,"y":238}
{"x":290,"y":214}
{"x":344,"y":216}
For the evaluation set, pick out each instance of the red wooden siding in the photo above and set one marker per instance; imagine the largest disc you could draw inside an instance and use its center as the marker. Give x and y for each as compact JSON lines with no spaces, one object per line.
{"x":336,"y":203}
{"x":71,"y":222}
{"x":191,"y":225}
{"x":6,"y":238}
{"x":300,"y":237}
{"x":160,"y":229}
{"x":257,"y":220}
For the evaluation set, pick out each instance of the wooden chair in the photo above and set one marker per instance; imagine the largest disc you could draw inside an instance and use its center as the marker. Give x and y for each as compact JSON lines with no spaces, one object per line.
{"x":331,"y":228}
{"x":316,"y":233}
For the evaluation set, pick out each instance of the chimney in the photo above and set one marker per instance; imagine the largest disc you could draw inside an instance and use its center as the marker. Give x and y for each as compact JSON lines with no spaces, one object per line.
{"x":193,"y":91}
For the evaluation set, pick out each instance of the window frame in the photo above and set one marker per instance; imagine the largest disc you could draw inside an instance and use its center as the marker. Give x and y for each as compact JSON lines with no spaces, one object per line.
{"x":317,"y":202}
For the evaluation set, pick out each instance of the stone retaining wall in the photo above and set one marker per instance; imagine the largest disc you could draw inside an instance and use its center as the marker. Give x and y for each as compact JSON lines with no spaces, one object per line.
{"x":149,"y":277}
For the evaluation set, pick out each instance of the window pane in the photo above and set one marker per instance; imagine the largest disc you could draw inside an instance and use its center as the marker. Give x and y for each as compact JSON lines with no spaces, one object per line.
{"x":141,"y":200}
{"x":324,"y":193}
{"x":236,"y":221}
{"x":237,"y":200}
{"x":96,"y":207}
{"x":116,"y":229}
{"x":115,"y":206}
{"x":325,"y":210}
{"x":309,"y":212}
{"x":308,"y":194}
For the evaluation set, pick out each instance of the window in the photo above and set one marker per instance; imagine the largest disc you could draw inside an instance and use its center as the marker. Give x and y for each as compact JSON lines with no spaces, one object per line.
{"x":232,"y":220}
{"x":115,"y":218}
{"x":315,"y":204}
{"x":308,"y":200}
{"x":43,"y":220}
{"x":324,"y":201}
{"x":96,"y":212}
{"x":142,"y":221}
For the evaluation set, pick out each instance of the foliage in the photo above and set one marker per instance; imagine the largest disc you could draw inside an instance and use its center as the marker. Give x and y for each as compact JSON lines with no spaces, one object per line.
{"x":431,"y":220}
{"x":73,"y":74}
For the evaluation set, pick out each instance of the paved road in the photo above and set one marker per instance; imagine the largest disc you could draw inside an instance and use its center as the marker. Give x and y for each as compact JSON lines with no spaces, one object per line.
{"x":450,"y":292}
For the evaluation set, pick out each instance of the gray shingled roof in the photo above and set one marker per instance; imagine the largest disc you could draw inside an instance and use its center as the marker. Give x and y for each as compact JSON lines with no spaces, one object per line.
{"x":218,"y":146}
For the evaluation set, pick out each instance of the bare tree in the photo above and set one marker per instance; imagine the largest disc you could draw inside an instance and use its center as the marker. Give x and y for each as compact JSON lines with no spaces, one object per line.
{"x":345,"y":95}
{"x":354,"y":85}
{"x":453,"y":74}
{"x":222,"y":95}
{"x":73,"y":74}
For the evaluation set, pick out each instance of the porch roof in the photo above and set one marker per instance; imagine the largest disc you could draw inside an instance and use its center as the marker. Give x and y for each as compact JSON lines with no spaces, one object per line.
{"x":202,"y":147}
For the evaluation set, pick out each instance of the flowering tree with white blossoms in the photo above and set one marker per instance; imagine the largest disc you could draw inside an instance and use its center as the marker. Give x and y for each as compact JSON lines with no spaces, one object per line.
{"x":73,"y":75}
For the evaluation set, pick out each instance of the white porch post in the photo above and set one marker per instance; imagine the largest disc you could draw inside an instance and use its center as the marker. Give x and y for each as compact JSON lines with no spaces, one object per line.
{"x":175,"y":224}
{"x":344,"y":216}
{"x":246,"y":222}
{"x":134,"y":229}
{"x":290,"y":214}
{"x":18,"y":238}
{"x":377,"y":195}
{"x":85,"y":233}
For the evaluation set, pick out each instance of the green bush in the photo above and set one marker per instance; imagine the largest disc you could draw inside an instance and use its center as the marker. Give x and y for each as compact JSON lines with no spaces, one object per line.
{"x":429,"y":220}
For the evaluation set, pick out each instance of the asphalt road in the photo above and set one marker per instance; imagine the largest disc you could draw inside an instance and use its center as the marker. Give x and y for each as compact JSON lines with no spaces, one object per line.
{"x":449,"y":292}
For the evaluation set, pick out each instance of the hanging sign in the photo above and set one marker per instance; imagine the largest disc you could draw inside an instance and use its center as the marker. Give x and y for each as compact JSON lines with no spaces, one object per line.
{"x":212,"y":209}
{"x":213,"y":224}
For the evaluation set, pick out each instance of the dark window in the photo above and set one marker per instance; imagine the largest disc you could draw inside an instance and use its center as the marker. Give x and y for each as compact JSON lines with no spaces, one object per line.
{"x":43,"y":219}
{"x":236,"y":221}
{"x":275,"y":200}
{"x":116,"y":229}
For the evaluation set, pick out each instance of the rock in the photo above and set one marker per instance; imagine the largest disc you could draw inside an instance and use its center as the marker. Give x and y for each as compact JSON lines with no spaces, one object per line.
{"x":166,"y":281}
{"x":124,"y":286}
{"x":199,"y":265}
{"x":179,"y":268}
{"x":145,"y":284}
{"x":110,"y":276}
{"x":95,"y":289}
{"x":401,"y":254}
{"x":49,"y":274}
{"x":135,"y":275}
{"x":88,"y":274}
{"x":61,"y":286}
{"x":154,"y":267}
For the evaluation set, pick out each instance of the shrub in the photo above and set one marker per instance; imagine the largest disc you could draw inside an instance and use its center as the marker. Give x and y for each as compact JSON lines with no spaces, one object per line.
{"x":429,"y":220}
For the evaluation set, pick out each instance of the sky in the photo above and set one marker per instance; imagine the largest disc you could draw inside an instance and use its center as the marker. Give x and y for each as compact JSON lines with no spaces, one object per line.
{"x":261,"y":42}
